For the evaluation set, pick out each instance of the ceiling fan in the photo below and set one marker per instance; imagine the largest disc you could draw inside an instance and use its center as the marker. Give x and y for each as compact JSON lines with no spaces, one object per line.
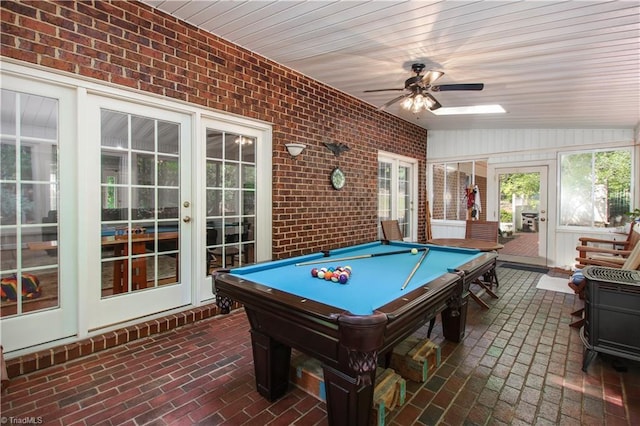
{"x":418,"y":86}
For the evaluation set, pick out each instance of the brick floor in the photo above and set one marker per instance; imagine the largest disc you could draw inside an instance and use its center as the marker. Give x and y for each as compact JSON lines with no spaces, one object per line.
{"x":518,"y":364}
{"x":521,"y":244}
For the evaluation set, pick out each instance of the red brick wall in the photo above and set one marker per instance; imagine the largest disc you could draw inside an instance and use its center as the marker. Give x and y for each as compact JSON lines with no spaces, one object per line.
{"x":135,"y":46}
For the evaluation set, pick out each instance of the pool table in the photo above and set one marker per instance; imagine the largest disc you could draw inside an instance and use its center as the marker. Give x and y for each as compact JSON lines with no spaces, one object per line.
{"x":348,"y":326}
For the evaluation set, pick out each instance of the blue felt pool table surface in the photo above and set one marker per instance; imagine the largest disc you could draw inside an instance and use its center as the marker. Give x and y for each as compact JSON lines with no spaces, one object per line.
{"x":374,"y":282}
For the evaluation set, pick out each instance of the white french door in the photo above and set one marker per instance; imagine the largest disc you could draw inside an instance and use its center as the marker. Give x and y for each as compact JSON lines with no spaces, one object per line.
{"x":106,"y":198}
{"x":37,"y":178}
{"x":235,"y":195}
{"x":136,"y":195}
{"x":397,"y":192}
{"x":522,"y":200}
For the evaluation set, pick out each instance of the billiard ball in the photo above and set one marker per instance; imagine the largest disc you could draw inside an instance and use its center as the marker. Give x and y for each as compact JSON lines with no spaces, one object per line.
{"x":343,"y":278}
{"x":320,"y":274}
{"x":314,"y":272}
{"x":414,"y":251}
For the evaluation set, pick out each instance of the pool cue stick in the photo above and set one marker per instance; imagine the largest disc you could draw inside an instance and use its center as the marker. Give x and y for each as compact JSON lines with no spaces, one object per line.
{"x":359,"y":256}
{"x":415,"y":269}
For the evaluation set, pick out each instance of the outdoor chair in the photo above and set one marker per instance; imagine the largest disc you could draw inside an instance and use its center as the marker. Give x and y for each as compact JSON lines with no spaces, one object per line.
{"x":624,"y":259}
{"x":482,"y":230}
{"x":391,"y":230}
{"x":602,"y":252}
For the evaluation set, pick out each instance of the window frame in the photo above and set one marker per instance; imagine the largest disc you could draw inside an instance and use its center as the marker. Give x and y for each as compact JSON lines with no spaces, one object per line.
{"x":473,"y":181}
{"x":632,"y":186}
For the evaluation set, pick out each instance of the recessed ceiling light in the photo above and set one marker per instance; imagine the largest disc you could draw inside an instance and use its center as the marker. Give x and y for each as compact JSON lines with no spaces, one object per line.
{"x":476,"y":109}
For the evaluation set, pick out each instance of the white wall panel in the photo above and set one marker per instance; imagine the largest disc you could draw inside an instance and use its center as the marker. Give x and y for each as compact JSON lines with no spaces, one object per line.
{"x":446,"y":144}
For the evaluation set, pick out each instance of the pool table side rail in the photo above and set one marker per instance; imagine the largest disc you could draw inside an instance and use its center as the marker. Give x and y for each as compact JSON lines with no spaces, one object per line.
{"x":477,"y":267}
{"x":444,"y":293}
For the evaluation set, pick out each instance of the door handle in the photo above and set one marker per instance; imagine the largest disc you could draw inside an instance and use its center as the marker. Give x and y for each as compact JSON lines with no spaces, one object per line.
{"x":186,"y":219}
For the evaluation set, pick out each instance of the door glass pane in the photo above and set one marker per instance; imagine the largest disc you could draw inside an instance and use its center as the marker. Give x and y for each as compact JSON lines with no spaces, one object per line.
{"x":140,"y":230}
{"x":114,"y":128}
{"x":142,"y":134}
{"x":248,"y":189}
{"x":168,"y":138}
{"x":384,"y":193}
{"x":145,"y":171}
{"x":29,"y":267}
{"x":520,"y":213}
{"x":384,"y":190}
{"x":404,"y":200}
{"x":230,"y":199}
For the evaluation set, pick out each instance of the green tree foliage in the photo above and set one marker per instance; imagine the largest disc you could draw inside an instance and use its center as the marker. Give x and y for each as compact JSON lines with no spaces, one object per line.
{"x":613,"y":169}
{"x":526,"y":185}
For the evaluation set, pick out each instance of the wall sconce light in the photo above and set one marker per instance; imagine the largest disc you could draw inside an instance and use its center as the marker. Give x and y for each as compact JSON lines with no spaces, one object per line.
{"x":295,"y":149}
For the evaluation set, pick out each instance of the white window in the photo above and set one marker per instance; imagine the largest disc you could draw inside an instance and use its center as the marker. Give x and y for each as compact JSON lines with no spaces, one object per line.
{"x":596,"y":188}
{"x":458,"y":190}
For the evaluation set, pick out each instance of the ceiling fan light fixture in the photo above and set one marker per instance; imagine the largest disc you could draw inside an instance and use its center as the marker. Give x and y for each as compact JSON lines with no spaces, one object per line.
{"x":429,"y":103}
{"x":407,"y":103}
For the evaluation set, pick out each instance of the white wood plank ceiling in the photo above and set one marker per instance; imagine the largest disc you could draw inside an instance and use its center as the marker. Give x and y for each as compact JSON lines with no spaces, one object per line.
{"x":550,"y":64}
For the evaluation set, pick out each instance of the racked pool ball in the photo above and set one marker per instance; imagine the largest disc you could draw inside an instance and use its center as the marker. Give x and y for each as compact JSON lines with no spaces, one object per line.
{"x":314,"y":272}
{"x":343,"y":278}
{"x":320,"y":274}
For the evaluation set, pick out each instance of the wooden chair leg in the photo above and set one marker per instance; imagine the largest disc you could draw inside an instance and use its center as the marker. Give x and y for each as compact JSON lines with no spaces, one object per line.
{"x":580,"y":321}
{"x":479,"y":301}
{"x":431,"y":324}
{"x":577,"y":323}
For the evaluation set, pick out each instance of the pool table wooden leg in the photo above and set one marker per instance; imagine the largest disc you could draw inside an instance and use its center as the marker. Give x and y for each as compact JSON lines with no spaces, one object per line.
{"x":454,"y":320}
{"x":348,"y":403}
{"x":271,"y":361}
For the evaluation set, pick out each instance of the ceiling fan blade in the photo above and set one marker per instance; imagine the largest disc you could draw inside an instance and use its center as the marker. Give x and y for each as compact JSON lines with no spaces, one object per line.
{"x":431,"y":76}
{"x":434,"y":103}
{"x":394,"y":100}
{"x":381,"y":90}
{"x":452,"y":87}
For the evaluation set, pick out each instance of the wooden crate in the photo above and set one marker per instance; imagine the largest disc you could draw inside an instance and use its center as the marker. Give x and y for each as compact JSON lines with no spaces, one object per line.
{"x":415,"y":359}
{"x":390,"y":392}
{"x":306,"y":373}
